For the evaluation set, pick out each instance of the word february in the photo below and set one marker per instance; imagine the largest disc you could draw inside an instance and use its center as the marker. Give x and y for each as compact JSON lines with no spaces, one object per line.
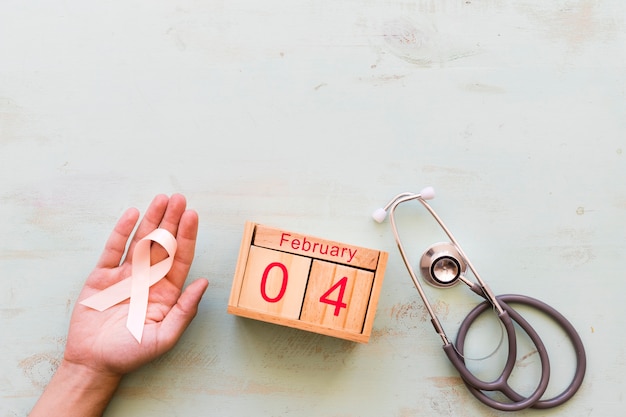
{"x":313,"y":247}
{"x":317,"y":248}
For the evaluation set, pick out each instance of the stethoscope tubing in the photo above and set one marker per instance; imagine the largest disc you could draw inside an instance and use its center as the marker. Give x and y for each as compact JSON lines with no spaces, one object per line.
{"x":478,"y":387}
{"x":579,"y":349}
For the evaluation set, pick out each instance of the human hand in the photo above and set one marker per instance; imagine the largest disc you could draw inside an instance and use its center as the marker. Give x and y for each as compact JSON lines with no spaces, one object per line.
{"x":100,"y":349}
{"x":100,"y":340}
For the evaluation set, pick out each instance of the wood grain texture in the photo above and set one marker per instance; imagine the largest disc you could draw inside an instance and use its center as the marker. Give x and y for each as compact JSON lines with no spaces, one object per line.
{"x":310,"y":115}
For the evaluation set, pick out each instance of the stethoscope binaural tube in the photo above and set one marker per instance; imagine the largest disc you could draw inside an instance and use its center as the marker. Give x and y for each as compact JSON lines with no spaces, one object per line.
{"x":507,"y":316}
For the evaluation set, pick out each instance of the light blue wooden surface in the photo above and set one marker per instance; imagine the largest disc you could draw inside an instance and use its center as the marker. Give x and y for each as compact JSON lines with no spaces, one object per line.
{"x":307,"y":115}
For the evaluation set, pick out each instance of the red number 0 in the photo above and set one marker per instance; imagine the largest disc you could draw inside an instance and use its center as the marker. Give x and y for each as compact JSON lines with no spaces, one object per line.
{"x":338,"y":303}
{"x":283,"y":286}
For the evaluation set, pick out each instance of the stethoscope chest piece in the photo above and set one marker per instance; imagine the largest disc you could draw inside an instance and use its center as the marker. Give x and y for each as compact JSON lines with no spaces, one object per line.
{"x":441,"y":265}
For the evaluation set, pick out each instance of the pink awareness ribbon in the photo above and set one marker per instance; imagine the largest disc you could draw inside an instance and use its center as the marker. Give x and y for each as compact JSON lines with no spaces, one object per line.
{"x":137,"y":286}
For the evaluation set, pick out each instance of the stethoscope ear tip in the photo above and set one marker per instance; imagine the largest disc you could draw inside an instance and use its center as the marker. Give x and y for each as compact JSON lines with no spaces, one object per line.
{"x":428,"y":193}
{"x":379,"y":215}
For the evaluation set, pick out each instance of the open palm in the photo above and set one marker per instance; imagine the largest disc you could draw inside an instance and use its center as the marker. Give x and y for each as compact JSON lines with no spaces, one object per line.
{"x":100,"y":340}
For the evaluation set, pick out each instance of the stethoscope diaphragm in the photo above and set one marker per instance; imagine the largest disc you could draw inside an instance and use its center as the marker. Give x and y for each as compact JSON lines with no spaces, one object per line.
{"x":441,"y":265}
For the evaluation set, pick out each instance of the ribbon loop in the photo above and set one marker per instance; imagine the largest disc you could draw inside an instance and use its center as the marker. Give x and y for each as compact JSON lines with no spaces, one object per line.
{"x":137,"y":286}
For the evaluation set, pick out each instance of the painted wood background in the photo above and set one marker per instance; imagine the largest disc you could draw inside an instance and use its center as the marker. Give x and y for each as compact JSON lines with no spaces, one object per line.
{"x":307,"y":115}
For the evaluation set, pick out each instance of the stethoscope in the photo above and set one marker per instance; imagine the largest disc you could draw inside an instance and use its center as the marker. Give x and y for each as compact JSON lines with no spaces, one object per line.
{"x":444,"y":265}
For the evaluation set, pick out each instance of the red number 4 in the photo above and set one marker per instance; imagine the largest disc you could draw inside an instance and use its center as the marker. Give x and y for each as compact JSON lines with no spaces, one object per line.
{"x":338,"y":302}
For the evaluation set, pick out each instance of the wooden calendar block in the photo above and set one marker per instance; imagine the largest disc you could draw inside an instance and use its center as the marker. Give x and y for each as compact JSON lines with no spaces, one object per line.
{"x":345,"y":294}
{"x":270,"y":283}
{"x":308,"y":283}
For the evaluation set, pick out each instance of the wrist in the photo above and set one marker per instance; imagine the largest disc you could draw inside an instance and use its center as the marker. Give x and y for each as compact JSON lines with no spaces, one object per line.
{"x":77,"y":390}
{"x":86,"y":378}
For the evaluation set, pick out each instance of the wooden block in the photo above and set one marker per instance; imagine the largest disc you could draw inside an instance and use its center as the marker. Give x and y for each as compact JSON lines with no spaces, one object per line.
{"x":274,"y":282}
{"x":337,"y":296}
{"x":305,"y":282}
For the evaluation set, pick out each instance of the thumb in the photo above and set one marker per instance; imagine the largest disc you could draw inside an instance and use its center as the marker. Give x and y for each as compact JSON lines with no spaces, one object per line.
{"x":181,"y":314}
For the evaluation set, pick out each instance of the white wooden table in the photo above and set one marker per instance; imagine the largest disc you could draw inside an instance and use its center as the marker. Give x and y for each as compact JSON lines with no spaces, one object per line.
{"x":307,"y":115}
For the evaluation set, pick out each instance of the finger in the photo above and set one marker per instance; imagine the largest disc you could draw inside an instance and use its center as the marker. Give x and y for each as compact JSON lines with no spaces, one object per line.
{"x":116,"y":243}
{"x":186,"y":242}
{"x":175,"y":209}
{"x":151,"y":220}
{"x":181,"y":314}
{"x":170,"y":222}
